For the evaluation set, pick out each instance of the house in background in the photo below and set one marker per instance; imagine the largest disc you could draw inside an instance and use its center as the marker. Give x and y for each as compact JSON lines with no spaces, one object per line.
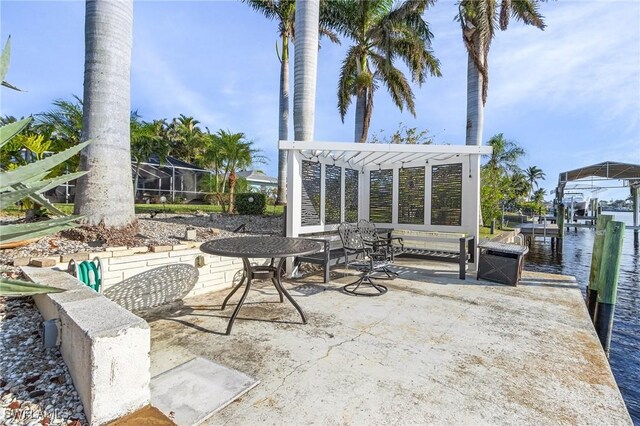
{"x":258,"y":181}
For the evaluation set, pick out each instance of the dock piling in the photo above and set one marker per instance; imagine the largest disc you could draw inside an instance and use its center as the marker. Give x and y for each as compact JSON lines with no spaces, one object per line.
{"x":596,"y":258}
{"x":608,"y":282}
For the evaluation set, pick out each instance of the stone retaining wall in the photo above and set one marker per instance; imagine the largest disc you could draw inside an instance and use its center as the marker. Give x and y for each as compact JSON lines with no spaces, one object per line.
{"x":119,"y":263}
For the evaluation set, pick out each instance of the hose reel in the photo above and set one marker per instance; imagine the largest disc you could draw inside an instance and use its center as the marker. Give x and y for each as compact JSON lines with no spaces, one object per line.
{"x":89,"y":272}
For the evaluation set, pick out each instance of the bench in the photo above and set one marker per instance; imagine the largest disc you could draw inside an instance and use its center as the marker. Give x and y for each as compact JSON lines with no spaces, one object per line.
{"x":448,"y":247}
{"x":332,"y":253}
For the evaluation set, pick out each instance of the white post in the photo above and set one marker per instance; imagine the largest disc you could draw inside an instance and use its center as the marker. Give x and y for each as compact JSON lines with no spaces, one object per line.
{"x":471,"y":209}
{"x":363,"y":189}
{"x":323,"y":193}
{"x":343,"y":196}
{"x":427,"y":196}
{"x":294,"y":193}
{"x":395,"y":195}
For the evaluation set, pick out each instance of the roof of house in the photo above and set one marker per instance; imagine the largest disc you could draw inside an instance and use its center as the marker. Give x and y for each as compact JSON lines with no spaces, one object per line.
{"x":257,"y":176}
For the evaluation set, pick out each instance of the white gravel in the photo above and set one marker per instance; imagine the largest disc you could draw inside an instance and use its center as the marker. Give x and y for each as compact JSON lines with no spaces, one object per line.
{"x":35,"y":385}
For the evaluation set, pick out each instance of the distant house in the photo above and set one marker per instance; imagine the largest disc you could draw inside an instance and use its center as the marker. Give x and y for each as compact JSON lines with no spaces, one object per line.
{"x":259,"y":182}
{"x":175,"y":179}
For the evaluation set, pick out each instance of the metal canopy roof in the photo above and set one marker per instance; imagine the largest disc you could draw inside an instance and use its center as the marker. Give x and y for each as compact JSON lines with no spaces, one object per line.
{"x":369,"y":155}
{"x":609,"y":170}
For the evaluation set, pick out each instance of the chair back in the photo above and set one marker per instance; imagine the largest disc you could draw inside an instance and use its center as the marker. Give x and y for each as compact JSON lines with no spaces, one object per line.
{"x":350,"y":236}
{"x":368,"y":231}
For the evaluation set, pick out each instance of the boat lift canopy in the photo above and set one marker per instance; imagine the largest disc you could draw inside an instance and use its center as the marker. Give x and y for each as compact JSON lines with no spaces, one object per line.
{"x":609,"y":170}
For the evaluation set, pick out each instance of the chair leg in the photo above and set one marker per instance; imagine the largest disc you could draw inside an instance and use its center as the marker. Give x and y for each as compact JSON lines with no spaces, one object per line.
{"x":365,"y":279}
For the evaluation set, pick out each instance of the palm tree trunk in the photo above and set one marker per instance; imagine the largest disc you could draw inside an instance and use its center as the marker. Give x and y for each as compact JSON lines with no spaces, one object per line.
{"x":283,"y":126}
{"x":135,"y":185}
{"x":105,"y":194}
{"x":361,"y":103}
{"x":475,"y":106}
{"x":232,"y":187}
{"x":305,"y":68}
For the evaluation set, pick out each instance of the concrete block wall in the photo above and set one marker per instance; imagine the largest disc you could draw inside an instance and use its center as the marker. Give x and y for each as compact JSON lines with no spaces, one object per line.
{"x":119,"y":263}
{"x":105,"y":347}
{"x":217,"y":273}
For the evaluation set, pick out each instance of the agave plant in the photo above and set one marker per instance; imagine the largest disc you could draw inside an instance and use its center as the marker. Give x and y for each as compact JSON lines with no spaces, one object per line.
{"x":28,"y":182}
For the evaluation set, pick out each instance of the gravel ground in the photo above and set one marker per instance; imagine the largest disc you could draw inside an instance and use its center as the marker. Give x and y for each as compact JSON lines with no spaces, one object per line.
{"x":163,"y":229}
{"x":35,"y":385}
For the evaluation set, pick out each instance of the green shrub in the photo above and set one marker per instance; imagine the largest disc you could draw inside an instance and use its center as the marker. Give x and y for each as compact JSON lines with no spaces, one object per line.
{"x":250,"y":203}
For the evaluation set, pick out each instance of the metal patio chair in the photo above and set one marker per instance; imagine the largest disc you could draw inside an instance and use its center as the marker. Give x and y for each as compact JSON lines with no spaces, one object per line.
{"x":367,"y":261}
{"x":391,"y":246}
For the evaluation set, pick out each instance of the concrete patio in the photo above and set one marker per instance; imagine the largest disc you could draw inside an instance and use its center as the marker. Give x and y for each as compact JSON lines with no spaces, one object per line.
{"x":434,"y":349}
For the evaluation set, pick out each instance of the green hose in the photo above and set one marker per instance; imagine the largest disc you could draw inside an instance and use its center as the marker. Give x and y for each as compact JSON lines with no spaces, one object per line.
{"x":88,"y":272}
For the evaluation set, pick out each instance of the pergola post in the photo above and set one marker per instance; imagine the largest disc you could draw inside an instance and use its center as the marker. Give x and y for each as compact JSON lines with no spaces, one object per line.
{"x":473,"y":211}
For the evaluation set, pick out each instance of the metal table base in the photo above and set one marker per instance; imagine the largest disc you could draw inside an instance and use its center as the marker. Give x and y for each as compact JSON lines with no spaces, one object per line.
{"x":260,"y":272}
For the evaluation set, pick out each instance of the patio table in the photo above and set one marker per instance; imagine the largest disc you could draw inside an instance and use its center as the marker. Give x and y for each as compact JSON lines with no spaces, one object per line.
{"x":262,"y":247}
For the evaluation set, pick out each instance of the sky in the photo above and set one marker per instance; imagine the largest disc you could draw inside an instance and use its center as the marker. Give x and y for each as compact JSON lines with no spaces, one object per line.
{"x":569,"y":95}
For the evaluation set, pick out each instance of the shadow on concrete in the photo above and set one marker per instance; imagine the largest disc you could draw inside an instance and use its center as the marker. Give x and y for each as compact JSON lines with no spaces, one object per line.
{"x":156,"y":287}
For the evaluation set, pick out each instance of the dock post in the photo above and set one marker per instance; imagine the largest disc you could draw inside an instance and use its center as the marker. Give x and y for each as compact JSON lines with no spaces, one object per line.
{"x":560,"y":222}
{"x":596,"y":259}
{"x":634,"y":202}
{"x":608,"y":282}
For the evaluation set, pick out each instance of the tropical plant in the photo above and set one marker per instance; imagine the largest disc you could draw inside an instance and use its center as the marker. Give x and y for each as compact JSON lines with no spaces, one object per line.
{"x":63,"y":123}
{"x":479,"y":20}
{"x":27,"y":182}
{"x":105,"y":196}
{"x":405,"y":135}
{"x":237,"y":154}
{"x":382,"y":32}
{"x":147,"y":140}
{"x":533,"y":174}
{"x":307,"y":18}
{"x":186,"y":138}
{"x":519,"y":185}
{"x":505,"y":154}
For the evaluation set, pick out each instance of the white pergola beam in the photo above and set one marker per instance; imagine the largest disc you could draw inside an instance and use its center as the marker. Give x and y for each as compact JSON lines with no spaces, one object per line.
{"x":365,"y":147}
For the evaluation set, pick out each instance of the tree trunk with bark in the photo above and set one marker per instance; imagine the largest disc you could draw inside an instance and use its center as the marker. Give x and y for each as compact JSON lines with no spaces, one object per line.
{"x":305,"y":68}
{"x":283,"y":126}
{"x":105,"y":195}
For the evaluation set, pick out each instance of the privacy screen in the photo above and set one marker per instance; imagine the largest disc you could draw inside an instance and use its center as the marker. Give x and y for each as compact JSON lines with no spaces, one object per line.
{"x":332,"y":190}
{"x":446,"y":195}
{"x":411,"y":196}
{"x":381,"y":196}
{"x":310,"y":193}
{"x":351,"y":195}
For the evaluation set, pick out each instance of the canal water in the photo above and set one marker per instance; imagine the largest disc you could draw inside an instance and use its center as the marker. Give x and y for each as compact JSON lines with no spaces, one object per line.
{"x":575,"y":260}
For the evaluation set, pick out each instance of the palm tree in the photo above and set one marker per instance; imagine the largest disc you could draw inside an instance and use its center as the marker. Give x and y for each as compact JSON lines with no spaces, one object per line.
{"x":186,"y":137}
{"x":147,"y":139}
{"x":505,"y":154}
{"x":382,"y":33}
{"x":307,"y":19}
{"x":230,"y":152}
{"x":519,"y":185}
{"x":534,"y":174}
{"x":479,"y":20}
{"x":63,"y":123}
{"x":284,"y":12}
{"x":105,"y":195}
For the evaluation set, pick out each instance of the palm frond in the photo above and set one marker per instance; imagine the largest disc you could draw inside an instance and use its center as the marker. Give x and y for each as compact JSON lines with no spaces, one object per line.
{"x":348,"y":73}
{"x":528,"y":11}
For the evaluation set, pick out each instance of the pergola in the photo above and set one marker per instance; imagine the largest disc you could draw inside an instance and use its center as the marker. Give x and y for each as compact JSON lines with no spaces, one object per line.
{"x":412,"y":187}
